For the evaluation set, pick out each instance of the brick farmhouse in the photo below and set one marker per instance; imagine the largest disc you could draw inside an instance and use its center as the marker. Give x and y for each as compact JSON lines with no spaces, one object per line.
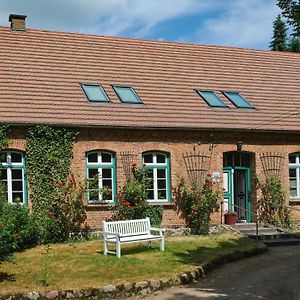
{"x":181,"y":109}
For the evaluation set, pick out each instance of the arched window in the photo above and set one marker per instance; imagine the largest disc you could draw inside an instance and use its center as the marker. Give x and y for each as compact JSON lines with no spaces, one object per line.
{"x":12,"y":175}
{"x":294,"y":176}
{"x":158,"y":165}
{"x":101,"y":175}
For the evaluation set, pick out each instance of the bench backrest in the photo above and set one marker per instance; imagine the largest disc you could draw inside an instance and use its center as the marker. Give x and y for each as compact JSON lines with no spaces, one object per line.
{"x":129,"y":227}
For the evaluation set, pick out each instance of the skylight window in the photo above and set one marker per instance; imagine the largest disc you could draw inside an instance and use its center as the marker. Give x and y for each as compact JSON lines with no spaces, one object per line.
{"x":238,"y":100}
{"x":127,"y":94}
{"x":211,"y":98}
{"x":94,"y":93}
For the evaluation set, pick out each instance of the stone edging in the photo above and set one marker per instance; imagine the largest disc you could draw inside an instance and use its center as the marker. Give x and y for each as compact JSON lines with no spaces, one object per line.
{"x":142,"y":287}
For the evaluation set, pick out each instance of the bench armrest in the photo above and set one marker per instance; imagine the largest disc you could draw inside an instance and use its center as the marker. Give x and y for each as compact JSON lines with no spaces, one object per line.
{"x":111,"y":233}
{"x":160,"y":230}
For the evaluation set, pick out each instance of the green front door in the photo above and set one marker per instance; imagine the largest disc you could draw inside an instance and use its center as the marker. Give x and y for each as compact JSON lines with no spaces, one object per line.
{"x":236,"y":184}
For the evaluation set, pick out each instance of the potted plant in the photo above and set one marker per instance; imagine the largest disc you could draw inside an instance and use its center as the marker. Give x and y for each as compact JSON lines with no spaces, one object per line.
{"x":230,"y":217}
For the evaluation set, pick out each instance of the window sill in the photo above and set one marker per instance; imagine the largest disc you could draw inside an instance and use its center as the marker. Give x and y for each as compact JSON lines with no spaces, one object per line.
{"x":294,"y":201}
{"x":108,"y":205}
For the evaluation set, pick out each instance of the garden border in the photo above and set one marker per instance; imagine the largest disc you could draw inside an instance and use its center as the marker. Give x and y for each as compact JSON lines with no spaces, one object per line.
{"x":142,"y":287}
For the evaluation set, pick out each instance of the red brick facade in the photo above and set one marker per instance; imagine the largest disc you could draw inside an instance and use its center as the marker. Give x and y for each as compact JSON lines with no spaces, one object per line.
{"x":176,"y":143}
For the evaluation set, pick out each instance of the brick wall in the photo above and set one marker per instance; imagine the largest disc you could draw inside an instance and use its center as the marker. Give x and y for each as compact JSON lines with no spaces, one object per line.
{"x":176,"y":143}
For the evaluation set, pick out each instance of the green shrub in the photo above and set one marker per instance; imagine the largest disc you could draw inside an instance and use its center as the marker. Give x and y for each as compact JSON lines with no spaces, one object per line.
{"x":197,"y":203}
{"x":18,"y":230}
{"x":132,"y":199}
{"x":271,"y":206}
{"x":65,"y":214}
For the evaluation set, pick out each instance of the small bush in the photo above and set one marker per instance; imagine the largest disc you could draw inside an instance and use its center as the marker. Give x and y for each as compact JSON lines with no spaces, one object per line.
{"x":132,"y":199}
{"x":65,"y":214}
{"x":197,"y":203}
{"x":18,"y":230}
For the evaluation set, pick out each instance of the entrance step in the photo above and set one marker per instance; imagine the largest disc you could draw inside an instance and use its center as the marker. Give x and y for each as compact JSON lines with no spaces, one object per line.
{"x":269,"y":235}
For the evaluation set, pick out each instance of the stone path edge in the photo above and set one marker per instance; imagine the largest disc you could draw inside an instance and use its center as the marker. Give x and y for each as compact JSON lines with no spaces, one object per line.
{"x":141,"y":287}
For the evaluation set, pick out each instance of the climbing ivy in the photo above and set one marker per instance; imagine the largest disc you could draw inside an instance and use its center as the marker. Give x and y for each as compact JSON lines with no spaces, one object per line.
{"x":48,"y":154}
{"x":3,"y":137}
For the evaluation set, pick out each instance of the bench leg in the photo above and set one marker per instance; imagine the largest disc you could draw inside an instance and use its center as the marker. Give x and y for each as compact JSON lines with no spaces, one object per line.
{"x":118,"y":248}
{"x":104,"y":247}
{"x":149,"y":244}
{"x":162,"y":244}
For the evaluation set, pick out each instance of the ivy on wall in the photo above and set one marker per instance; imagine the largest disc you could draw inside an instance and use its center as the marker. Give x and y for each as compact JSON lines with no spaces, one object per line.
{"x":3,"y":137}
{"x":49,"y":152}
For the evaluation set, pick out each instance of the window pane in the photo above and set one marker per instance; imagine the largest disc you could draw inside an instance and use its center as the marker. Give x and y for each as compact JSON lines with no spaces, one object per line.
{"x":93,"y":157}
{"x":162,"y":194}
{"x":92,"y":173}
{"x":292,"y":159}
{"x":94,"y":93}
{"x":3,"y":157}
{"x":17,"y":197}
{"x":106,"y":157}
{"x":238,"y":100}
{"x":93,"y":195}
{"x":160,"y":158}
{"x":106,"y":173}
{"x":127,"y":94}
{"x":161,"y":173}
{"x":211,"y":98}
{"x":161,"y":184}
{"x":17,"y":186}
{"x":150,"y":194}
{"x":16,"y":157}
{"x":3,"y":174}
{"x":16,"y":174}
{"x":107,"y":183}
{"x":148,"y":158}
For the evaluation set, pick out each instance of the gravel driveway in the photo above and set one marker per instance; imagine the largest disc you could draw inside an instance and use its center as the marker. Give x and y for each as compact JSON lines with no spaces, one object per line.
{"x":274,"y":275}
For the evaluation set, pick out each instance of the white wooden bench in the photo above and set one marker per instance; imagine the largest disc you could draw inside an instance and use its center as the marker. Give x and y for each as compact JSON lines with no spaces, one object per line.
{"x":131,"y":231}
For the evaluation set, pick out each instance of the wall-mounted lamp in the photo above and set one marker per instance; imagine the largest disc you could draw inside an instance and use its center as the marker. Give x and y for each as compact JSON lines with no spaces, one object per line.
{"x":239,"y":145}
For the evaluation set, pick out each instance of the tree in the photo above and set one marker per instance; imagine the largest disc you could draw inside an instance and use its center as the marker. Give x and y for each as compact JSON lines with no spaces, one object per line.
{"x":278,"y":42}
{"x":294,"y":44}
{"x":291,"y":11}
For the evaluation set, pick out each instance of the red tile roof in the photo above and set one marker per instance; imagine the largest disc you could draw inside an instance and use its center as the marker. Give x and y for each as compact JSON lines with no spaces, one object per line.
{"x":41,"y":71}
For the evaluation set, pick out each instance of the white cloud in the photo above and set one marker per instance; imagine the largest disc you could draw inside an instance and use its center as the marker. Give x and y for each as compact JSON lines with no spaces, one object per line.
{"x":111,"y":17}
{"x":242,"y":23}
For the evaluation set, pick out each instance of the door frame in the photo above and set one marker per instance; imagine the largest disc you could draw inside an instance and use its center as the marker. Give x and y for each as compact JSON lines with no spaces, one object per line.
{"x":231,"y":194}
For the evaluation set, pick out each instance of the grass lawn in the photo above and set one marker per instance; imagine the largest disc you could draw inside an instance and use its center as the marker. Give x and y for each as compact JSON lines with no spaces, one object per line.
{"x":82,"y":264}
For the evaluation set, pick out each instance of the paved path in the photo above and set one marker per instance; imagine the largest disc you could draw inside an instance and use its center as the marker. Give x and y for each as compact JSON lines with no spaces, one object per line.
{"x":273,"y":276}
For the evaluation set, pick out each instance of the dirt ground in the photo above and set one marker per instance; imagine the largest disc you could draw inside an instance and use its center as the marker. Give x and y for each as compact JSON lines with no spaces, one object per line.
{"x":274,"y":275}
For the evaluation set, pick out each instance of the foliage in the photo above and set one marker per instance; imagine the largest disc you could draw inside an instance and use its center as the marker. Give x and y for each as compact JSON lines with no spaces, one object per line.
{"x":272,"y":208}
{"x":291,"y":11}
{"x":132,"y":204}
{"x":65,"y":213}
{"x":49,"y":154}
{"x":278,"y":42}
{"x":18,"y":229}
{"x":294,"y":44}
{"x":197,"y":203}
{"x":3,"y":137}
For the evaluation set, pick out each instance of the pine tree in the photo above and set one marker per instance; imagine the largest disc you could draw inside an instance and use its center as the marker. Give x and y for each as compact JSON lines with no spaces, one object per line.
{"x":294,"y":44}
{"x":278,"y":42}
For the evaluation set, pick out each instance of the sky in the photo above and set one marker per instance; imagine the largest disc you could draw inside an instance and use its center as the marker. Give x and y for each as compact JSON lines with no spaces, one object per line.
{"x":240,"y":23}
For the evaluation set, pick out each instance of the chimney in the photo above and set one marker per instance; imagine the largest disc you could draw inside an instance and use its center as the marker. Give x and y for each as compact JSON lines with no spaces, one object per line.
{"x":17,"y":22}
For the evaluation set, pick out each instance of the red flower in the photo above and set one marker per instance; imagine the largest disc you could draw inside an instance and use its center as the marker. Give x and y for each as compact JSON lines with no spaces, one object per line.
{"x":126,"y":203}
{"x":52,"y":183}
{"x":119,"y":196}
{"x":51,"y":214}
{"x":133,"y":166}
{"x":208,"y":175}
{"x":60,"y":183}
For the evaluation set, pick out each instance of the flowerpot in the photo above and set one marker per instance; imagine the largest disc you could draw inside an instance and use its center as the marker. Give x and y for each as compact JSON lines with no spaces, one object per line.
{"x":230,"y":219}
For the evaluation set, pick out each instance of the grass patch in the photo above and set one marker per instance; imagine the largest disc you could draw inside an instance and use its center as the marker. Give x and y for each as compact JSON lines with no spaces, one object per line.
{"x":82,"y":265}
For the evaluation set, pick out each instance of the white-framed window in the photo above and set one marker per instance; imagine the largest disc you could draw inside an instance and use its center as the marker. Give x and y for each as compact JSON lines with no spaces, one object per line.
{"x":158,"y":165}
{"x":12,"y":175}
{"x":294,"y":176}
{"x":101,"y":175}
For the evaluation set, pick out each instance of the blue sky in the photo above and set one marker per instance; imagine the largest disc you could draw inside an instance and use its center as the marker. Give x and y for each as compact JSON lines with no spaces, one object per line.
{"x":242,"y":23}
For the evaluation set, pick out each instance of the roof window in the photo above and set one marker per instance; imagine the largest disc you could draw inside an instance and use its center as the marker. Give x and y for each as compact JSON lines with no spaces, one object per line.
{"x":127,"y":94}
{"x":94,"y":93}
{"x":211,"y":98}
{"x":238,"y":100}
